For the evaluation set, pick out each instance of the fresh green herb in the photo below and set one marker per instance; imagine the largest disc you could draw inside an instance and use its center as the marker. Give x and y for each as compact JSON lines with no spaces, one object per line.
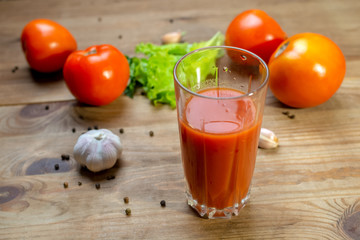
{"x":154,"y":72}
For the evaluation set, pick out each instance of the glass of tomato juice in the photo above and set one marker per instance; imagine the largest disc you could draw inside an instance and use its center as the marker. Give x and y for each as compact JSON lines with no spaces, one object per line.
{"x":220,"y":97}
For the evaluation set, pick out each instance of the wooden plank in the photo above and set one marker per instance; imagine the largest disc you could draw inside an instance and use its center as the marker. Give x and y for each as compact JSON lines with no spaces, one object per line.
{"x":302,"y":189}
{"x":140,"y":21}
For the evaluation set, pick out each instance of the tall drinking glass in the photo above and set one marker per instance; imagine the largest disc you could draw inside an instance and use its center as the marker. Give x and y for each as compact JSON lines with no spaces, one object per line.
{"x":220,"y":97}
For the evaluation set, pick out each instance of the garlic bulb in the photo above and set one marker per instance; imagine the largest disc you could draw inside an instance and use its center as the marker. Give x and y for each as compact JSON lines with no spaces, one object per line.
{"x":98,"y":149}
{"x":268,"y":139}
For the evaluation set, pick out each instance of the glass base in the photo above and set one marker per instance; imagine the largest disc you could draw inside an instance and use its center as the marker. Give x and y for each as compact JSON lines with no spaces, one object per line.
{"x":213,"y":213}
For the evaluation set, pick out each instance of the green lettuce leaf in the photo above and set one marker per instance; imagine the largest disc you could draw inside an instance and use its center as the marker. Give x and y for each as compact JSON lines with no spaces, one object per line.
{"x":154,"y":72}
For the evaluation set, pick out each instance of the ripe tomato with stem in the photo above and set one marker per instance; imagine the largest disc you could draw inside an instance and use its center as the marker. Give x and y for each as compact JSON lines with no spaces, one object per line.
{"x":306,"y":70}
{"x":97,"y":75}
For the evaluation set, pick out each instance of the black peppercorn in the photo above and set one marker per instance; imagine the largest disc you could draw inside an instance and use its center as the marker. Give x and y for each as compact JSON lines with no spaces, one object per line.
{"x":151,"y":133}
{"x":15,"y":69}
{"x":163,"y":203}
{"x":111,"y":177}
{"x":97,"y":185}
{"x":66,"y":184}
{"x":56,"y":166}
{"x":126,"y":200}
{"x":73,"y":130}
{"x":121,"y":130}
{"x":291,"y":116}
{"x":128,"y":211}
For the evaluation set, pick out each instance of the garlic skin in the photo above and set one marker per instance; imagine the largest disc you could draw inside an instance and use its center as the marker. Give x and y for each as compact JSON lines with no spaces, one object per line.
{"x":268,"y":139}
{"x":98,"y":149}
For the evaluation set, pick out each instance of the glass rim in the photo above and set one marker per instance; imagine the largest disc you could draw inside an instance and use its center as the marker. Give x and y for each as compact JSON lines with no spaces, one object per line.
{"x":248,"y":94}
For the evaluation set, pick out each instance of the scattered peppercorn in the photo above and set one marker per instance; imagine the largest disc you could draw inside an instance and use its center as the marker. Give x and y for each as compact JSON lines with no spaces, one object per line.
{"x":73,"y":130}
{"x":121,"y":130}
{"x":79,"y":183}
{"x":89,"y":128}
{"x":291,"y":116}
{"x":110,"y":177}
{"x":285,"y":113}
{"x":151,"y":133}
{"x":66,"y":184}
{"x":96,"y":127}
{"x":65,"y":157}
{"x":126,"y":200}
{"x":120,"y":36}
{"x":97,"y":185}
{"x":163,"y":203}
{"x":143,"y":93}
{"x":15,"y":69}
{"x":128,"y":211}
{"x":171,"y":20}
{"x":46,"y":107}
{"x":56,"y":166}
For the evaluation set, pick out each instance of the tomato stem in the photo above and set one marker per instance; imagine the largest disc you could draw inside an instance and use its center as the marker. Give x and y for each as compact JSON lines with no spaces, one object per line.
{"x":92,"y":51}
{"x":281,"y":49}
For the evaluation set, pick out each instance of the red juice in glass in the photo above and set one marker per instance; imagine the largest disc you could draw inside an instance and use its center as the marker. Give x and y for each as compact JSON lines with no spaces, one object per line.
{"x":220,"y":97}
{"x":219,"y":147}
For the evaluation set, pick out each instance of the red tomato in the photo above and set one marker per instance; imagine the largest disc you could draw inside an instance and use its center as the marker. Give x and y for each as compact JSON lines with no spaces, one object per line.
{"x":97,"y":75}
{"x":306,"y":70}
{"x":46,"y":45}
{"x":255,"y":31}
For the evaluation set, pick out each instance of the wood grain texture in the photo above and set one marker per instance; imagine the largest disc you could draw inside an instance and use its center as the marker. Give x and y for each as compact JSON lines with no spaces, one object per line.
{"x":308,"y":188}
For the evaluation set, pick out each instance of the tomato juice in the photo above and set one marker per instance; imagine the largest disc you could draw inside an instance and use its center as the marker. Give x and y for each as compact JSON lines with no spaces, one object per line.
{"x":219,"y":139}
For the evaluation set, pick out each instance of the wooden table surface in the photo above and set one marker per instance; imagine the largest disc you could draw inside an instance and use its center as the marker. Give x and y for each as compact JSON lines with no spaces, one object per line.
{"x":308,"y":188}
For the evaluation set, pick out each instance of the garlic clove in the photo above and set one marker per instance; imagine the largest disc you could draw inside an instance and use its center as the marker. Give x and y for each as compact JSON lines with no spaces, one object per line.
{"x":268,"y":139}
{"x":172,"y":37}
